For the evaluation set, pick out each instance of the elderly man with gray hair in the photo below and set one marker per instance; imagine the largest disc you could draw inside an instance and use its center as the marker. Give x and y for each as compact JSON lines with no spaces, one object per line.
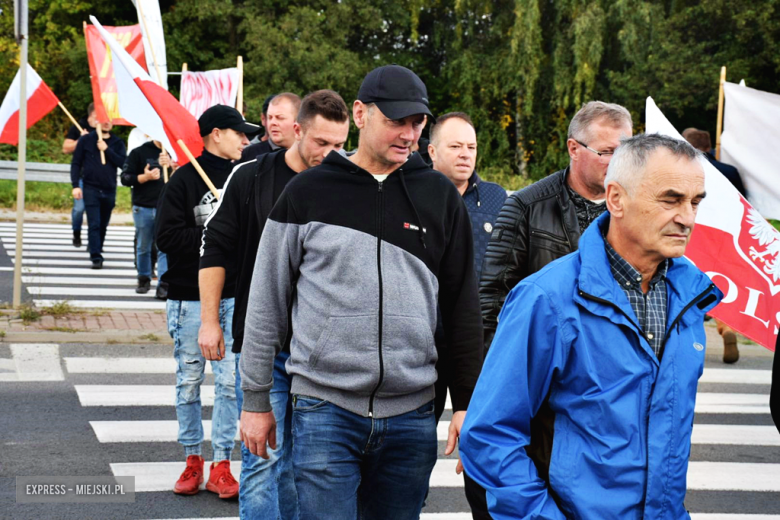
{"x":612,"y":338}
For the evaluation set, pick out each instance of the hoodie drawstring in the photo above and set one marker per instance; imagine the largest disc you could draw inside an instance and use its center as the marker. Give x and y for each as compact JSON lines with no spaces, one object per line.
{"x":420,"y":231}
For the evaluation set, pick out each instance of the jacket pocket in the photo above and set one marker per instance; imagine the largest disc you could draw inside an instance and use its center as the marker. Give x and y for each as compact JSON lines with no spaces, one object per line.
{"x":345,"y":356}
{"x":409,"y":355}
{"x":545,"y":240}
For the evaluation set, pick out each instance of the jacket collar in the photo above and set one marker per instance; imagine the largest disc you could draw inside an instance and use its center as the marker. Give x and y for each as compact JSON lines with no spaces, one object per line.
{"x":340,"y":162}
{"x":684,"y":280}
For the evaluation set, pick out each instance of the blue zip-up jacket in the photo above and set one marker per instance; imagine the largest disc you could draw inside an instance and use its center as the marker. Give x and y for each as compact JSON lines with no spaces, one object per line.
{"x":622,"y":421}
{"x":484,"y":201}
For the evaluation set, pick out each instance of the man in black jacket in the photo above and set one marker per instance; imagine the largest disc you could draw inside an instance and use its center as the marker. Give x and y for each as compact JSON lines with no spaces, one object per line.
{"x":99,"y":181}
{"x":183,"y":208}
{"x":354,"y":258}
{"x":142,"y":172}
{"x":267,"y":487}
{"x":87,"y":124}
{"x":544,"y":221}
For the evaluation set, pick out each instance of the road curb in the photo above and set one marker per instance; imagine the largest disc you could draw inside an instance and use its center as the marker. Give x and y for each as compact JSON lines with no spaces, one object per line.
{"x":107,"y":337}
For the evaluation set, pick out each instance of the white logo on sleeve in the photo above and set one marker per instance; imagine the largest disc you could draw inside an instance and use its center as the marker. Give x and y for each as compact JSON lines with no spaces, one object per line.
{"x":698,"y":346}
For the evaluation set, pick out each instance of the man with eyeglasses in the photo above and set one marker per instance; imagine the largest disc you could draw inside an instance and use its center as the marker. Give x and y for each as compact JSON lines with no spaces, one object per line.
{"x":544,"y":221}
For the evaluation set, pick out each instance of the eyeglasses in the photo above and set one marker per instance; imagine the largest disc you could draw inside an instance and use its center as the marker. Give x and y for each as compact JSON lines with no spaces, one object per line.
{"x":600,"y":154}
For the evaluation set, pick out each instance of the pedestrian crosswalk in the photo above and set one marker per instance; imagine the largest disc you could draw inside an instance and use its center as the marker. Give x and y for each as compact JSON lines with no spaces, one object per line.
{"x":54,"y":271}
{"x":128,"y":395}
{"x":125,"y":394}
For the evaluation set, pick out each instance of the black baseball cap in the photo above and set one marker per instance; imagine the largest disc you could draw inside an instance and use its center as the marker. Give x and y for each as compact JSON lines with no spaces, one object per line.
{"x":223,"y":116}
{"x":397,"y":91}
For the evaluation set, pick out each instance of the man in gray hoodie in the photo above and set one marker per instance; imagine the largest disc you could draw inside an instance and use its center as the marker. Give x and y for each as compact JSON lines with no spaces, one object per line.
{"x":359,"y":251}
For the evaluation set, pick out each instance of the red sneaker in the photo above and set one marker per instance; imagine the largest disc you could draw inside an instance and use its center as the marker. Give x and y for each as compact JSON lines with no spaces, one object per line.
{"x":221,"y":481}
{"x":189,"y":482}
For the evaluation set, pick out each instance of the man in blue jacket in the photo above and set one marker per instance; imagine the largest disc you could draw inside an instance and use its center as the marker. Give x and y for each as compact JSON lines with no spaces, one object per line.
{"x":613,"y":335}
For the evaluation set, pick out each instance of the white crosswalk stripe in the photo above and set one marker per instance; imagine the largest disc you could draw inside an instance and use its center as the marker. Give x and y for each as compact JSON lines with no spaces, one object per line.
{"x":128,"y":426}
{"x":55,"y":271}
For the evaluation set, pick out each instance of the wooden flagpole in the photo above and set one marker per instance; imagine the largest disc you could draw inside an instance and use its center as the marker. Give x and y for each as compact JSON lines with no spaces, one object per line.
{"x":719,"y":128}
{"x":72,"y":119}
{"x":197,"y":166}
{"x":151,"y":47}
{"x":183,"y":70}
{"x":240,"y":97}
{"x":99,"y":129}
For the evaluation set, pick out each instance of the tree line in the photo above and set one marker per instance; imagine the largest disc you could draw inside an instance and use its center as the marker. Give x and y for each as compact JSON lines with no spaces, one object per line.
{"x":519,"y":68}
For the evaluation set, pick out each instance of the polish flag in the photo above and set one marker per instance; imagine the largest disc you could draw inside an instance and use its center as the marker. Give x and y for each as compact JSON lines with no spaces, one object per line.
{"x":736,"y":247}
{"x":149,"y":106}
{"x":40,"y":101}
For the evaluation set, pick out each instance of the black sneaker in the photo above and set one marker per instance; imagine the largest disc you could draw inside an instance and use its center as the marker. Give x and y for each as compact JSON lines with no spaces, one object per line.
{"x":97,"y":264}
{"x":144,"y":284}
{"x":162,"y":291}
{"x":77,"y":239}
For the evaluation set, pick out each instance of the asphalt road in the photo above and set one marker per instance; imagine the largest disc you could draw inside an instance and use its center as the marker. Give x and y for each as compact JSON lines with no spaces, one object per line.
{"x":50,"y":428}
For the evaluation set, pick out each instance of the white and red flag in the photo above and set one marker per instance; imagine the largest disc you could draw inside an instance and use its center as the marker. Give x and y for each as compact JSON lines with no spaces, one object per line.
{"x":150,"y":107}
{"x":202,"y":90}
{"x":40,"y":101}
{"x":736,"y":247}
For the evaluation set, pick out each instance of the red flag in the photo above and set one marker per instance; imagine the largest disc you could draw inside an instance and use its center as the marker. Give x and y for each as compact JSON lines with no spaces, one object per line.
{"x":101,"y":70}
{"x":737,"y":248}
{"x":150,"y":107}
{"x":40,"y":101}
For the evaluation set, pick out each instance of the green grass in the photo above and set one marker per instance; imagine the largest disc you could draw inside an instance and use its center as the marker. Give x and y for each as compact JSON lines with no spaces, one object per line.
{"x":53,"y":196}
{"x":508,"y":181}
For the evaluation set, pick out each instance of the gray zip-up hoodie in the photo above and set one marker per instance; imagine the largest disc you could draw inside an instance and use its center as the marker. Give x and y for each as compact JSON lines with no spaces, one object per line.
{"x":362,"y":265}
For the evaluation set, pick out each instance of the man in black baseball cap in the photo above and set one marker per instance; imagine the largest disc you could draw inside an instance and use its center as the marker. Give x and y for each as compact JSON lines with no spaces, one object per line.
{"x":355,"y":256}
{"x":182,"y":211}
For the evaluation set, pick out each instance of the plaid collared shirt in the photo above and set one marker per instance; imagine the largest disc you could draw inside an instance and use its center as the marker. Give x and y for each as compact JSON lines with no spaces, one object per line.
{"x":649,"y":308}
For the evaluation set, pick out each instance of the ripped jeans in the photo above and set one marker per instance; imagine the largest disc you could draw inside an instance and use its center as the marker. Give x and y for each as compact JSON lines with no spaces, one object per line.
{"x":183,"y":325}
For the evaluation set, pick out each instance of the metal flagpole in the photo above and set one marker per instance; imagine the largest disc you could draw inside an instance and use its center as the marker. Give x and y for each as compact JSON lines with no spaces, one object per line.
{"x":20,"y":15}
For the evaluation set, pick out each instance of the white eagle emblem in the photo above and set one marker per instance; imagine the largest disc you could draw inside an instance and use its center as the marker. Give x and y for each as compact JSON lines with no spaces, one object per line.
{"x":767,"y":237}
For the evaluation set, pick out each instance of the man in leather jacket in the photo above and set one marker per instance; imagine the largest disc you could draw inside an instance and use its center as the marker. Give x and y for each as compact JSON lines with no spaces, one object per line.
{"x":544,"y":221}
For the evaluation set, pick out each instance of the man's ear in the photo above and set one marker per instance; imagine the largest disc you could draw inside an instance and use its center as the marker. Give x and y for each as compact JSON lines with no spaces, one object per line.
{"x":216,"y":135}
{"x":573,"y":147}
{"x":616,"y":198}
{"x":298,"y":129}
{"x":432,"y":152}
{"x":359,"y":113}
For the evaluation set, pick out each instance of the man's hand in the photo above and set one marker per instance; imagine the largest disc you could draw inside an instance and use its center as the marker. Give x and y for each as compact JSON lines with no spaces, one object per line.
{"x":453,"y":435}
{"x":258,"y":429}
{"x":149,"y":175}
{"x":210,"y":338}
{"x":84,"y":131}
{"x":77,"y":193}
{"x":102,"y":146}
{"x":165,"y":160}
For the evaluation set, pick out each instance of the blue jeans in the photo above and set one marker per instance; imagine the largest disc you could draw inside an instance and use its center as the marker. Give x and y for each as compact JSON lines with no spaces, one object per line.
{"x":162,"y":263}
{"x":77,"y":214}
{"x":349,"y":467}
{"x":267,"y":487}
{"x":144,"y":228}
{"x":99,"y":204}
{"x":183,"y":325}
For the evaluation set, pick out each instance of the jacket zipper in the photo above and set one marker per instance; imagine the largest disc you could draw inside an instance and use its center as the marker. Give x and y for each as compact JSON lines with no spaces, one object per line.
{"x":685,"y":309}
{"x":671,"y":327}
{"x":380,"y":223}
{"x":560,"y":240}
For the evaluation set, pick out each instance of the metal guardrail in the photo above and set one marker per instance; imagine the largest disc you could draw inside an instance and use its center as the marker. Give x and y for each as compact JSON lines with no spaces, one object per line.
{"x":35,"y":171}
{"x":42,"y":172}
